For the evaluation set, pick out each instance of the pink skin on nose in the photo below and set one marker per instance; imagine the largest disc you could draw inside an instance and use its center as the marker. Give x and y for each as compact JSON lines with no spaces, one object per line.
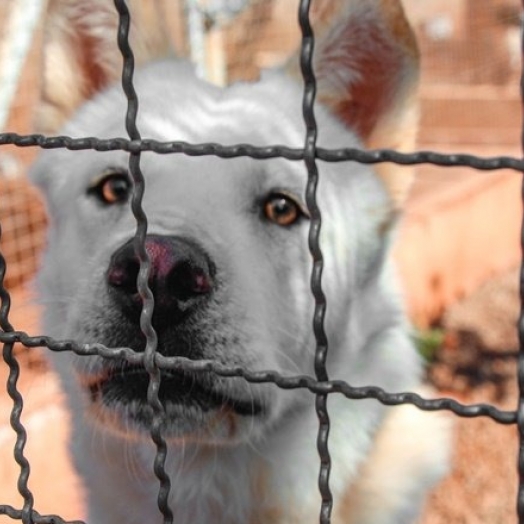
{"x":162,"y":258}
{"x":164,"y":261}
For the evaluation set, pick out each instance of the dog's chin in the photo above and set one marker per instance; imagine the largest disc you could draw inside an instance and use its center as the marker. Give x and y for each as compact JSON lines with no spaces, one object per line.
{"x":194,"y":409}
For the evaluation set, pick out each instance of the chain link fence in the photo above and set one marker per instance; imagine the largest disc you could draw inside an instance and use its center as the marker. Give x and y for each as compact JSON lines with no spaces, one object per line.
{"x":320,"y":385}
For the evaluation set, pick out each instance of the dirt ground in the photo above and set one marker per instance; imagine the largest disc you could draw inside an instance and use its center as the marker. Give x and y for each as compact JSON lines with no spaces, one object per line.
{"x":475,"y":363}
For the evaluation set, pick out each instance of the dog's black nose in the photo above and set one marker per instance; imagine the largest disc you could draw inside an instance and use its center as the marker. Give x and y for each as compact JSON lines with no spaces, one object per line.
{"x":181,"y":276}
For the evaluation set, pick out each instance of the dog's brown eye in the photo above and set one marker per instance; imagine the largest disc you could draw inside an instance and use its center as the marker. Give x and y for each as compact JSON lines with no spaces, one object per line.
{"x":282,"y":209}
{"x":114,"y":188}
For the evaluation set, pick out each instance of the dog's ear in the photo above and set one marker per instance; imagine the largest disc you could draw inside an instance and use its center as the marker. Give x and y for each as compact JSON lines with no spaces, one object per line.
{"x":81,"y":56}
{"x":366,"y":62}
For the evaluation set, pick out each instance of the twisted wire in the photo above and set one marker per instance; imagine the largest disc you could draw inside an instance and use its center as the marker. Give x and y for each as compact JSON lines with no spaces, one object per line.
{"x":321,"y":350}
{"x":18,"y":402}
{"x":148,"y":301}
{"x":374,"y":156}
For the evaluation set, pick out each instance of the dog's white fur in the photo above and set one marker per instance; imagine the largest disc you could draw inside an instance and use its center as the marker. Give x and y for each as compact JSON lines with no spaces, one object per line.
{"x":234,"y":469}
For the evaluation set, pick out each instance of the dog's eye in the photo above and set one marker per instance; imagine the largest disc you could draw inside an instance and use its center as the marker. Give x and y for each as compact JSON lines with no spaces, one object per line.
{"x":113,"y":188}
{"x":282,"y":209}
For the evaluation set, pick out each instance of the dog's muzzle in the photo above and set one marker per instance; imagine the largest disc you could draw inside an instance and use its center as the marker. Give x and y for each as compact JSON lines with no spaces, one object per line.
{"x":182,"y":279}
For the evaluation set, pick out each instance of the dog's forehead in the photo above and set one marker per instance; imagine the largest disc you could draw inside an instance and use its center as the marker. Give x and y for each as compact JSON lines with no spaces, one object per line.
{"x":175,"y":105}
{"x":179,"y":106}
{"x":184,"y":180}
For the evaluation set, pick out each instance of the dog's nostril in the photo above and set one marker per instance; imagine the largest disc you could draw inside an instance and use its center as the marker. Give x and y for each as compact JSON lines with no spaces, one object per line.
{"x":186,"y":281}
{"x":123,"y":275}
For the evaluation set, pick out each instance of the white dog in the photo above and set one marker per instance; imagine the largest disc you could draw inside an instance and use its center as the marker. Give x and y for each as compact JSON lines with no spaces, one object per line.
{"x":230,"y":274}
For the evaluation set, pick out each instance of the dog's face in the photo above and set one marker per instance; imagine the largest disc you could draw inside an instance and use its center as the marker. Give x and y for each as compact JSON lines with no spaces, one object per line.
{"x":227,"y":240}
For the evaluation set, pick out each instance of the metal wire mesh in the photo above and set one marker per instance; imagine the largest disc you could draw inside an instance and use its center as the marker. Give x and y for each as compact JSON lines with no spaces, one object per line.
{"x":154,"y":362}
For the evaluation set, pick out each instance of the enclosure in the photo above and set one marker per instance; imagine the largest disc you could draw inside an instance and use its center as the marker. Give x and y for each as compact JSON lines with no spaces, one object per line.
{"x":461,"y":230}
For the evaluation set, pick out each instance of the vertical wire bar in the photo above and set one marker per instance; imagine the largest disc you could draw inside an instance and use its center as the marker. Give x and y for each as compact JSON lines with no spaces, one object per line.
{"x":306,"y":66}
{"x":16,"y":397}
{"x":145,"y":265}
{"x":520,"y":409}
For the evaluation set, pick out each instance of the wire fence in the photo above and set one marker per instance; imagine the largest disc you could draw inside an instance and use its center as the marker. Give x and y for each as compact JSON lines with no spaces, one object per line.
{"x":154,"y":362}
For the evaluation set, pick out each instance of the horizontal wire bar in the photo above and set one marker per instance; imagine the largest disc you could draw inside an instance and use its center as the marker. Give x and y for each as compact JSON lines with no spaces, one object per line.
{"x":16,"y":514}
{"x":263,"y":152}
{"x":267,"y":376}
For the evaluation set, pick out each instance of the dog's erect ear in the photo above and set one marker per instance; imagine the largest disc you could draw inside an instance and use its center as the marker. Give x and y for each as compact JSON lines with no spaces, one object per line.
{"x":366,"y":62}
{"x":81,"y":55}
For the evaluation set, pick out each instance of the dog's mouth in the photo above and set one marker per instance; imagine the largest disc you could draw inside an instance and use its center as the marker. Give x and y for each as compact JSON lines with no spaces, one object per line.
{"x":180,"y":393}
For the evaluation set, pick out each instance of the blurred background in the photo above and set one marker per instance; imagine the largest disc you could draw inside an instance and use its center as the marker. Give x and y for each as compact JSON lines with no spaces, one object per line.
{"x":458,"y":247}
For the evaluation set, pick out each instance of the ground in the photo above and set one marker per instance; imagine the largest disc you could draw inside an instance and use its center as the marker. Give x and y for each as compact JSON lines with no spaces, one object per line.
{"x":477,"y":363}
